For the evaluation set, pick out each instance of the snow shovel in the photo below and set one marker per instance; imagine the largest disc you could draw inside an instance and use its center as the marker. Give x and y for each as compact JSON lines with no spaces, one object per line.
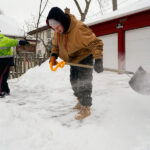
{"x":139,"y":82}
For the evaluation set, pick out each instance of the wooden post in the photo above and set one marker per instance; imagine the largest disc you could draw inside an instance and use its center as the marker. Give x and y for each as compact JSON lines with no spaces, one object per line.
{"x":17,"y":66}
{"x":24,"y":63}
{"x":28,"y":61}
{"x":31,"y":62}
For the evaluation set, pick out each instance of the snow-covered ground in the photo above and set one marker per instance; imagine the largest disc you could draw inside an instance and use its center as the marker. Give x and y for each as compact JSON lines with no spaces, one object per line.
{"x":38,"y":114}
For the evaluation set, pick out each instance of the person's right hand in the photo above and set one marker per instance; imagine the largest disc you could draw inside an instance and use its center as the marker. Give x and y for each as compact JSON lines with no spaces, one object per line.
{"x":53,"y":60}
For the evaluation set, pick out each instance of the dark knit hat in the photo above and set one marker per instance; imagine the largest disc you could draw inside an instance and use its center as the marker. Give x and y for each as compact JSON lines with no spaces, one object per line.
{"x":57,"y":14}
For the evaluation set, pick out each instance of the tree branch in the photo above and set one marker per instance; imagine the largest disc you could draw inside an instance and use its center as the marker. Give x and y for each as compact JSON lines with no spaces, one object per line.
{"x":78,"y":6}
{"x":39,"y":17}
{"x":83,"y":14}
{"x":46,"y":46}
{"x":40,"y":8}
{"x":44,"y":7}
{"x":87,"y":7}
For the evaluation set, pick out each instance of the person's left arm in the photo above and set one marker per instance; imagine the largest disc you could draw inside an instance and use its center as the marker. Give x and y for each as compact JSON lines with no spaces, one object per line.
{"x":89,"y":40}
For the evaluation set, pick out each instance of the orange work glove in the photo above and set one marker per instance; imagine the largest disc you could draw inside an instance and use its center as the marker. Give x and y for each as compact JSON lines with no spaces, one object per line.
{"x":53,"y":60}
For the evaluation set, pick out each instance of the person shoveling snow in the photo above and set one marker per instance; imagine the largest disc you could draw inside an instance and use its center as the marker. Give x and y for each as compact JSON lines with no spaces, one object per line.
{"x":75,"y":43}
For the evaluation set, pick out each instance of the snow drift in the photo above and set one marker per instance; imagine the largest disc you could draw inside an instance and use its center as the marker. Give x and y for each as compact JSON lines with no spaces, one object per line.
{"x":38,"y":114}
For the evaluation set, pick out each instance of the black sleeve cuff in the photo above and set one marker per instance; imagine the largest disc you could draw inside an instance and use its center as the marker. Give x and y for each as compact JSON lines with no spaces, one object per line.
{"x":53,"y":54}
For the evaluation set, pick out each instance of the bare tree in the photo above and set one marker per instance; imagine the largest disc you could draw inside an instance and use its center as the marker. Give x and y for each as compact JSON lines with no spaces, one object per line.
{"x":46,"y":45}
{"x":114,"y":3}
{"x":83,"y":14}
{"x":41,"y":10}
{"x":30,"y":24}
{"x":34,"y":22}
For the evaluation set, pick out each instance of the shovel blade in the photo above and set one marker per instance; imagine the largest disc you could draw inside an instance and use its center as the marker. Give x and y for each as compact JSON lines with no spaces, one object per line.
{"x":140,"y":82}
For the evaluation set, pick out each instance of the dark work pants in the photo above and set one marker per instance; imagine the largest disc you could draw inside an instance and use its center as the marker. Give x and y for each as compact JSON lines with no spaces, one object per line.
{"x":4,"y":73}
{"x":81,"y":81}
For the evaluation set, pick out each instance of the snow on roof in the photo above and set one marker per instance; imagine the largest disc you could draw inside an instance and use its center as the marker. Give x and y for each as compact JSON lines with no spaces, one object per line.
{"x":9,"y":27}
{"x":136,"y":7}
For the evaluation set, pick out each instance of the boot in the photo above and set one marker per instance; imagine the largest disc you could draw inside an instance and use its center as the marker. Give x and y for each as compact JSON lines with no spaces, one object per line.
{"x":84,"y":112}
{"x":78,"y":105}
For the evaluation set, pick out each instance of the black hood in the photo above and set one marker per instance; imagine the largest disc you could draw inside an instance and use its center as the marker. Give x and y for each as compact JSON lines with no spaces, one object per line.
{"x":57,"y":14}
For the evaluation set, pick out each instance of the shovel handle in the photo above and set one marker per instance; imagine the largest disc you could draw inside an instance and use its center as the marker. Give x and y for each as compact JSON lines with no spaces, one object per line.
{"x":106,"y":69}
{"x":119,"y":71}
{"x":62,"y":64}
{"x":80,"y":65}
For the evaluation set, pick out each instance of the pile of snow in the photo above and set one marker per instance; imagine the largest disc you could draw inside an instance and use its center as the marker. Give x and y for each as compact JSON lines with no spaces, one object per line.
{"x":130,"y":8}
{"x":9,"y":27}
{"x":38,"y":114}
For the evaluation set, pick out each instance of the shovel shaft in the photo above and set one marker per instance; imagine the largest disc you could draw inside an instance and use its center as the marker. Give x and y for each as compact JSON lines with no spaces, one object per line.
{"x":138,"y":82}
{"x":80,"y":65}
{"x":119,"y":71}
{"x":106,"y":69}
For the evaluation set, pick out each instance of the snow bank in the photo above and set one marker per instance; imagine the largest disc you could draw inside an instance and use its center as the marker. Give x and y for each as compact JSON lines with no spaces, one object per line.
{"x":38,"y":114}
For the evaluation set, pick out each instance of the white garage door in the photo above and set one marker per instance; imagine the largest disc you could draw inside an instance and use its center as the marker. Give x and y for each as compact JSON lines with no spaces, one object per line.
{"x":110,"y":51}
{"x":138,"y":49}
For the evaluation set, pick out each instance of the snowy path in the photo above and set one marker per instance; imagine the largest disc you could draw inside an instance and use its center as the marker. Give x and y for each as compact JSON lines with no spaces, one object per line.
{"x":38,"y":114}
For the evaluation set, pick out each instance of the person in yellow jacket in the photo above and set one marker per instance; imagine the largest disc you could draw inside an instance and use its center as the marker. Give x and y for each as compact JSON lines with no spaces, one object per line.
{"x":6,"y":60}
{"x":76,"y":43}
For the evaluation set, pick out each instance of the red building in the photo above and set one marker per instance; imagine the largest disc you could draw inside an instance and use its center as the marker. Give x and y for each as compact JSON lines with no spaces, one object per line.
{"x":126,"y":36}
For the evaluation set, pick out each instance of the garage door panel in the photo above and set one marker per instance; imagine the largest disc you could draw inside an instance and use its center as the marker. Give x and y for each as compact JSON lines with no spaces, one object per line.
{"x":138,"y":49}
{"x":110,"y":53}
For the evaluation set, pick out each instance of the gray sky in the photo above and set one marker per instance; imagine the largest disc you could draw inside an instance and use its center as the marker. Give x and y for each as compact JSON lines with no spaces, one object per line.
{"x":22,"y":10}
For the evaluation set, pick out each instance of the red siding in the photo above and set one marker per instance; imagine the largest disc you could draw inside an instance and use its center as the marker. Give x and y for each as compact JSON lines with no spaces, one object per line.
{"x":137,"y":21}
{"x":129,"y":22}
{"x":134,"y":21}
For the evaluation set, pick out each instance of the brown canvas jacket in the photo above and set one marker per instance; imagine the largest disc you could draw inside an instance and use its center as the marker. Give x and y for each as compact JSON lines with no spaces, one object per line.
{"x":78,"y":43}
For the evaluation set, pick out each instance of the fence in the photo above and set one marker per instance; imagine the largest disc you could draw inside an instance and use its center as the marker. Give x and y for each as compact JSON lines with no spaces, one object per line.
{"x":25,"y":61}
